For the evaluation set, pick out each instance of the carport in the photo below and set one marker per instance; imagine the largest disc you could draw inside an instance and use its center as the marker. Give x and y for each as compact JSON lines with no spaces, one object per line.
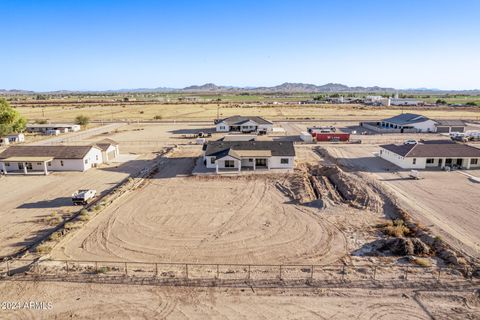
{"x":25,"y":164}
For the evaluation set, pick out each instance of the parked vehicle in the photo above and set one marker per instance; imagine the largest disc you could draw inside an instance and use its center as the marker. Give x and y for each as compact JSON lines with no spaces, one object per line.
{"x":410,"y":142}
{"x":83,"y":196}
{"x":415,"y":174}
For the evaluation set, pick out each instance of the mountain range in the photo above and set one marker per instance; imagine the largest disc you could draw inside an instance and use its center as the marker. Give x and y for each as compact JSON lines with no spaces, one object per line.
{"x":286,"y":87}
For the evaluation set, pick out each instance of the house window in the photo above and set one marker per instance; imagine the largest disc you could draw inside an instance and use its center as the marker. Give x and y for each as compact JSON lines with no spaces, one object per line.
{"x":7,"y":164}
{"x":39,"y":163}
{"x":86,"y":161}
{"x":222,"y":128}
{"x":212,"y":160}
{"x":284,"y":160}
{"x":250,"y":160}
{"x":49,"y":163}
{"x":96,"y":157}
{"x":430,"y":160}
{"x":414,"y":160}
{"x":229,"y":164}
{"x":61,"y":163}
{"x":473,"y":161}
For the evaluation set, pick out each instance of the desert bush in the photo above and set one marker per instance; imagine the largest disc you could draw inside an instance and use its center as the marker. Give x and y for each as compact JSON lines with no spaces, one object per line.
{"x":396,"y":228}
{"x":82,"y":120}
{"x":55,"y":236}
{"x":158,"y":117}
{"x":43,"y":249}
{"x":422,"y":262}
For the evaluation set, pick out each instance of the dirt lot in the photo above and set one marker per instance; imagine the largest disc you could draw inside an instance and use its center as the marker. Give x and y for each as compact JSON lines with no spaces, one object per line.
{"x":446,"y":201}
{"x":28,"y":202}
{"x":176,"y":218}
{"x":208,"y":112}
{"x":95,"y":301}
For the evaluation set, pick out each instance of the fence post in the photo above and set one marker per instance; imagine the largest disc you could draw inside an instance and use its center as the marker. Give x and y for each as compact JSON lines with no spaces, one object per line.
{"x":311,"y":273}
{"x":406,"y":273}
{"x":186,"y":271}
{"x":126,"y":270}
{"x":66,"y":265}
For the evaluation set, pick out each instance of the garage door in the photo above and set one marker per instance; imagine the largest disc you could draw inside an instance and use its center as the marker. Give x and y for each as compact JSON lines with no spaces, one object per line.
{"x":458,"y":129}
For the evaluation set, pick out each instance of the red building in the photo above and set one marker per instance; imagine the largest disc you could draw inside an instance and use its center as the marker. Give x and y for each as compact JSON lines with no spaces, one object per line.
{"x":331,"y":136}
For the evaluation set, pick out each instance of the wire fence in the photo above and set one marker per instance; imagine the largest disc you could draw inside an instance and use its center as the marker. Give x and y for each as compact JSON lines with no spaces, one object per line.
{"x":234,"y":272}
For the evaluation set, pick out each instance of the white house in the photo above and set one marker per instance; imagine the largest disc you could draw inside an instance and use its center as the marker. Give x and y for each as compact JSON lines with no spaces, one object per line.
{"x":110,"y":149}
{"x":403,"y":102}
{"x":244,"y":124}
{"x":50,"y":128}
{"x":431,"y":155}
{"x":405,"y":122}
{"x":49,"y":158}
{"x":12,"y":138}
{"x":228,"y":156}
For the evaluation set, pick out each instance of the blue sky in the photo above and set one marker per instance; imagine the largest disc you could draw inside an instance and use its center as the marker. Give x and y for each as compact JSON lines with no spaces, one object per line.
{"x":96,"y":45}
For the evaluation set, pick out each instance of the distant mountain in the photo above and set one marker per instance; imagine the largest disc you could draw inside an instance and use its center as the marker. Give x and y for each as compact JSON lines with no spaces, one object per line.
{"x":286,"y":87}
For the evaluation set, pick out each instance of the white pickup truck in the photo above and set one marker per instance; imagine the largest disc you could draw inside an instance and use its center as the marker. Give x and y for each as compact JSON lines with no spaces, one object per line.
{"x":82,"y":197}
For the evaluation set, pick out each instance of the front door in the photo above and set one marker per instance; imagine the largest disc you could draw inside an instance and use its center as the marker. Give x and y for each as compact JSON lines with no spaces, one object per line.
{"x":260,"y":163}
{"x":20,"y":166}
{"x":440,"y":161}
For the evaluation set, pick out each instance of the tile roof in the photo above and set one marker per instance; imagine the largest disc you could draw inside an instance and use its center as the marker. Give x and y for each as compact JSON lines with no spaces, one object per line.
{"x":57,"y":152}
{"x":222,"y":148}
{"x":450,"y":150}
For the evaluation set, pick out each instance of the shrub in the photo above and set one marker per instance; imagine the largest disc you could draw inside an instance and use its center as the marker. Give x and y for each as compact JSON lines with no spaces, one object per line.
{"x":158,"y":117}
{"x":103,"y":270}
{"x":43,"y":249}
{"x":422,"y":262}
{"x":82,"y":120}
{"x":55,"y":236}
{"x":396,"y":228}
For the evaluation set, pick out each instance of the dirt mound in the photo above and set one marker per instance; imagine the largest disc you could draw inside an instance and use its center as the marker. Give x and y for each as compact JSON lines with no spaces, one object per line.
{"x":334,"y":186}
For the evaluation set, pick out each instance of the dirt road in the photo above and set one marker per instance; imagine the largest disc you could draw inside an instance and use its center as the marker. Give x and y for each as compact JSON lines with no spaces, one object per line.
{"x":102,"y":301}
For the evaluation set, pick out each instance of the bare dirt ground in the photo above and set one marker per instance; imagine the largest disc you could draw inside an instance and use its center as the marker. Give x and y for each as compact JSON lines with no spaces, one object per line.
{"x":27,"y":202}
{"x":176,"y":218}
{"x":446,"y":201}
{"x":102,"y":301}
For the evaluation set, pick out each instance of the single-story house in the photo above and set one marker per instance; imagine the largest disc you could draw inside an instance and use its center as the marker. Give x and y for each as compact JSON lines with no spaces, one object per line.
{"x":249,"y":155}
{"x":448,"y":126}
{"x":405,"y":122}
{"x":50,"y":158}
{"x":50,"y":128}
{"x":110,"y":149}
{"x":403,"y":102}
{"x":12,"y":138}
{"x":244,"y":124}
{"x":431,"y":155}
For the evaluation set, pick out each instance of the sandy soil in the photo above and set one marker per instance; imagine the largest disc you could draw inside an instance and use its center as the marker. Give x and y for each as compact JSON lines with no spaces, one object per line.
{"x":28,"y":201}
{"x":446,"y":201}
{"x":209,"y":111}
{"x":95,"y":301}
{"x":211,"y":220}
